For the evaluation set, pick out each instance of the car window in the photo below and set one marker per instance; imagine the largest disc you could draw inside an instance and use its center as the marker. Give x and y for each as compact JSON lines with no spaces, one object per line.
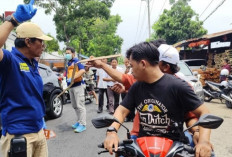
{"x":185,"y":69}
{"x":196,"y":62}
{"x":43,"y":73}
{"x":49,"y":72}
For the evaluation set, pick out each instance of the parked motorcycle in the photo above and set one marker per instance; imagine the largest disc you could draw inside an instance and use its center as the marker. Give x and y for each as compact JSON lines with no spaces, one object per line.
{"x":222,"y":91}
{"x":156,"y":146}
{"x":228,"y":91}
{"x":88,"y":94}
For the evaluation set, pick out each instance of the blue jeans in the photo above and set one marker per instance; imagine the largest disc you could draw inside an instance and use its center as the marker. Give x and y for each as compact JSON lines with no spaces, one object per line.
{"x":190,"y":138}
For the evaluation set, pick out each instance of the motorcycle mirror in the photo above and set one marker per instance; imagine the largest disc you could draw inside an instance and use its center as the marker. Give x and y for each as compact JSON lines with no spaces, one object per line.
{"x":208,"y":121}
{"x":106,"y":121}
{"x":103,"y":121}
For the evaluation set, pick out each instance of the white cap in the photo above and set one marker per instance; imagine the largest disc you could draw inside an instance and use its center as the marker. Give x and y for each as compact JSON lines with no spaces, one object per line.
{"x":168,"y":54}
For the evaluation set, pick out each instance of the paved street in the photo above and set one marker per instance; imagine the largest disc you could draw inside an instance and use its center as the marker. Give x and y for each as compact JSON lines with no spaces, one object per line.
{"x":70,"y":144}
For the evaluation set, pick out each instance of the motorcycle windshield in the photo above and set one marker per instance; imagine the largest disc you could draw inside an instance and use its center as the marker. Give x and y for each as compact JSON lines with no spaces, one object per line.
{"x":154,"y":146}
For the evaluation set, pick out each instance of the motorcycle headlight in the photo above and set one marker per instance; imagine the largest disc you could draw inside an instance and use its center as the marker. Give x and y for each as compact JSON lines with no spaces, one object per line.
{"x":196,"y":86}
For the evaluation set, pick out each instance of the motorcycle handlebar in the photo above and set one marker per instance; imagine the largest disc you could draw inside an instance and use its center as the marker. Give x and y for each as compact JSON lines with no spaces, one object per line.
{"x":190,"y":149}
{"x":101,"y":145}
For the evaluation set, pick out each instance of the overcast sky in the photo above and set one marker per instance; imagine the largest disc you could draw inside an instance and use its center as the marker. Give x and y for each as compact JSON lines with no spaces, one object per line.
{"x":134,"y":27}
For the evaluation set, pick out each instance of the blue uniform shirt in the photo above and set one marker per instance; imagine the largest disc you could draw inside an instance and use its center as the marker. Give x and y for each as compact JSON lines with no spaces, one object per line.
{"x":21,"y":94}
{"x":80,"y":66}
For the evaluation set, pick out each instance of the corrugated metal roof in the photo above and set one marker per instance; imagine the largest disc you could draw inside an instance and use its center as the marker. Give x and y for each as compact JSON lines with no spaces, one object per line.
{"x":209,"y":36}
{"x":204,"y":37}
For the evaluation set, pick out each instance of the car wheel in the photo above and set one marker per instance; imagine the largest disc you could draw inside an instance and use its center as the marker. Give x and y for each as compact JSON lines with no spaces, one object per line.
{"x":56,"y":106}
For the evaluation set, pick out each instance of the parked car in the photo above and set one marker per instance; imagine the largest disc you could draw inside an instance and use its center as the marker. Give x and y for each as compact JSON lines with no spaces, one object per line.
{"x":195,"y":63}
{"x":54,"y":106}
{"x":192,"y":79}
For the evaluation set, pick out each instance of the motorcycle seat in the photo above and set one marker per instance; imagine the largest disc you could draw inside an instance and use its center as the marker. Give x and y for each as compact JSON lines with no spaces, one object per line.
{"x":214,"y":83}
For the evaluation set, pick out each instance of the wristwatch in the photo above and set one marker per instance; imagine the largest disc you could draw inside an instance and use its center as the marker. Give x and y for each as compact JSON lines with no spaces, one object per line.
{"x":12,"y":20}
{"x":111,"y":129}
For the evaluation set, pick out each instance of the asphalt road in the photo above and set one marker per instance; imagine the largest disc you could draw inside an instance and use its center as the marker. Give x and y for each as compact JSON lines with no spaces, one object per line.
{"x":70,"y":144}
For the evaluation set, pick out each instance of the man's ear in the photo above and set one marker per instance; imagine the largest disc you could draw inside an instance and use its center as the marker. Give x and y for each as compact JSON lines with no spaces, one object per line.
{"x":166,"y":67}
{"x":144,"y":63}
{"x":27,"y":42}
{"x":73,"y":55}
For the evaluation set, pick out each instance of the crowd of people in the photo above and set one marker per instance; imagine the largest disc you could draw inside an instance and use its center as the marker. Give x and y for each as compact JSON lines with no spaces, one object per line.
{"x":150,"y":77}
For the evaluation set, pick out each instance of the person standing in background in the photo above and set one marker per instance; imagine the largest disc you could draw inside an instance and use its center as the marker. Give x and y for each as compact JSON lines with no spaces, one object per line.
{"x":76,"y":92}
{"x":226,"y":65}
{"x":113,"y":96}
{"x":102,"y":86}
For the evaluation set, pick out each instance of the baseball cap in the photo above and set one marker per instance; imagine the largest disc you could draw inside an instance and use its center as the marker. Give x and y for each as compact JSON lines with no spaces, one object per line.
{"x":168,"y":54}
{"x":31,"y":30}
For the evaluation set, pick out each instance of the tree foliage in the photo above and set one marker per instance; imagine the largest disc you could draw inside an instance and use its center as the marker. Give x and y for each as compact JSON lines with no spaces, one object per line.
{"x":105,"y":42}
{"x":52,"y":45}
{"x":179,"y":23}
{"x":86,"y":25}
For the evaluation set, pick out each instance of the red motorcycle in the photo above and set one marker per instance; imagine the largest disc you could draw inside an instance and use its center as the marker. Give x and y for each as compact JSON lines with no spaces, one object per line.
{"x":156,"y":146}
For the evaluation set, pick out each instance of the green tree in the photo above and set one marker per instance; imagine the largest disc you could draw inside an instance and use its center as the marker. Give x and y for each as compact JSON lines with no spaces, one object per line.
{"x":76,"y":20}
{"x":179,"y":23}
{"x":52,"y":45}
{"x":104,"y":42}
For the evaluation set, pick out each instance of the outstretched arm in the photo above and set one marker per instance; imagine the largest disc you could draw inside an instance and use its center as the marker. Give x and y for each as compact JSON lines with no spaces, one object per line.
{"x":203,"y":147}
{"x":113,"y":73}
{"x":5,"y":30}
{"x":112,"y":137}
{"x":23,"y":13}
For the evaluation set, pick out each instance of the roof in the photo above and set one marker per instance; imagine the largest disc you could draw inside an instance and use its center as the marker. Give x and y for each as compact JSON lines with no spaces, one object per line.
{"x":51,"y":56}
{"x":212,"y":37}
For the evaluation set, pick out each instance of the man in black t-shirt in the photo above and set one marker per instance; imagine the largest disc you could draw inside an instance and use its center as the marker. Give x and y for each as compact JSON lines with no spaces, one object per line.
{"x":161,"y":99}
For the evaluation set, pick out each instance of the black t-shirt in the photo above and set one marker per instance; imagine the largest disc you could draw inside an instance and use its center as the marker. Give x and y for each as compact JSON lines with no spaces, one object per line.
{"x":160,"y":104}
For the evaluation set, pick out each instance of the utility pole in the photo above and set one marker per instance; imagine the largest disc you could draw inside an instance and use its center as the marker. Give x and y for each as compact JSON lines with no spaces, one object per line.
{"x":149,"y":23}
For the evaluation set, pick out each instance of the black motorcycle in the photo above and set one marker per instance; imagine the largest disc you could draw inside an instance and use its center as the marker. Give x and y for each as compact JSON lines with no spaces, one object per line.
{"x":88,"y":93}
{"x":228,"y":92}
{"x":222,"y":91}
{"x":152,"y":146}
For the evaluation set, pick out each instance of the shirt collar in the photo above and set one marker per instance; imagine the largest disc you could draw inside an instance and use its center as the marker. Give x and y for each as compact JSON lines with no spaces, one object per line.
{"x":16,"y":52}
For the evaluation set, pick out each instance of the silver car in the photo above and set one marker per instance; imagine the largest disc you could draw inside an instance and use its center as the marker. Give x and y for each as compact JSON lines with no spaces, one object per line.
{"x":193,"y":79}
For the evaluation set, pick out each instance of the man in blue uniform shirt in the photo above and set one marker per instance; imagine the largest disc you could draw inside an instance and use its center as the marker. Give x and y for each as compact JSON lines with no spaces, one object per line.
{"x":21,"y":101}
{"x":77,"y":94}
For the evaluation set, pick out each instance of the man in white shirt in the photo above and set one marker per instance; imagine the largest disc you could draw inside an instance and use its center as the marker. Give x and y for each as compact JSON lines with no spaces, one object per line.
{"x":102,"y":86}
{"x":113,"y":96}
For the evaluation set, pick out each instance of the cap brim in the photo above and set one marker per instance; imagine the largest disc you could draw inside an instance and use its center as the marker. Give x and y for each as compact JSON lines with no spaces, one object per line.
{"x":45,"y":37}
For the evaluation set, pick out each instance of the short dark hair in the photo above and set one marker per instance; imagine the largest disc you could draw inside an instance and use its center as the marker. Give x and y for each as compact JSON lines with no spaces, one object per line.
{"x":173,"y":67}
{"x":71,"y":49}
{"x":113,"y":59}
{"x":20,"y":42}
{"x":144,"y":50}
{"x":158,"y":42}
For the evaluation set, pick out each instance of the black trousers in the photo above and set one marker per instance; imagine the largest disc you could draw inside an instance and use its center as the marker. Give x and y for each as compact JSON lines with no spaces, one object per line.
{"x":101,"y":98}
